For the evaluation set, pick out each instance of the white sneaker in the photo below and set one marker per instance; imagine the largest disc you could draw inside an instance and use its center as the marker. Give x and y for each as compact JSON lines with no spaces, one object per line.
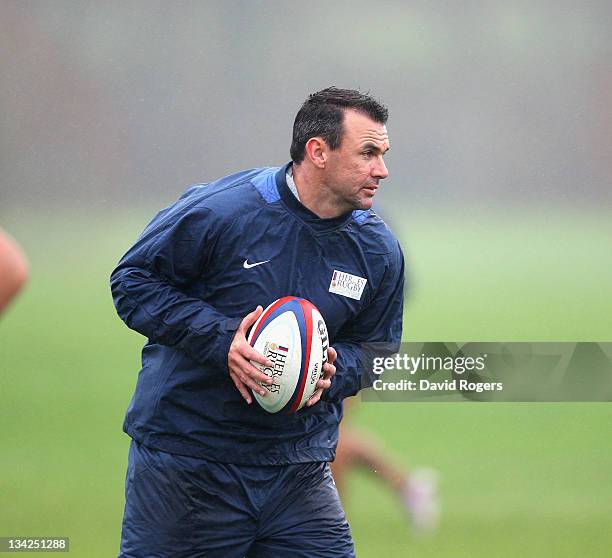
{"x":420,"y":498}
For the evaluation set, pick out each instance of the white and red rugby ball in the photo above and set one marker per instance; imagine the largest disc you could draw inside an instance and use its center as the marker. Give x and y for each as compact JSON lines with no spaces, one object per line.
{"x":291,"y":333}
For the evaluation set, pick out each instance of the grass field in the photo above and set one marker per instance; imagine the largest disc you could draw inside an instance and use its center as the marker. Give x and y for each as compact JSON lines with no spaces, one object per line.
{"x":517,"y":479}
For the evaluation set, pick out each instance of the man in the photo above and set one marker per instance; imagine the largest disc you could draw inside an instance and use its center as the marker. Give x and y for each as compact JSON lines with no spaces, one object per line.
{"x":13,"y":269}
{"x":209,"y":472}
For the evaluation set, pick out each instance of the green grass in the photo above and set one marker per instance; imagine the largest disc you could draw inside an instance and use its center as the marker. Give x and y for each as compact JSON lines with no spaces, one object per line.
{"x":517,"y":479}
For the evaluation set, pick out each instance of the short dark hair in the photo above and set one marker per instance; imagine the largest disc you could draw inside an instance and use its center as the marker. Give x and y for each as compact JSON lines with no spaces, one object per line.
{"x":322,"y":114}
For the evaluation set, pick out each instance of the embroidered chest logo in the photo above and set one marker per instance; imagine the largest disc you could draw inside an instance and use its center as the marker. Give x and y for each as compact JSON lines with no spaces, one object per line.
{"x":346,"y":284}
{"x":248,"y":265}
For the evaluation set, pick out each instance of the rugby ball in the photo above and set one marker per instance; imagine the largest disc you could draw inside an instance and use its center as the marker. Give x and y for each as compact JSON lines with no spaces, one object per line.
{"x":291,"y":333}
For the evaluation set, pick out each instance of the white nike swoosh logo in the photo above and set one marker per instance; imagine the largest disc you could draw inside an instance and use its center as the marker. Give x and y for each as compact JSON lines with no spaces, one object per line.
{"x":247,"y":265}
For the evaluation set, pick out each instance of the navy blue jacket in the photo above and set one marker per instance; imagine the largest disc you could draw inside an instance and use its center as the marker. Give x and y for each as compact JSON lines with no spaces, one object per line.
{"x":184,"y":286}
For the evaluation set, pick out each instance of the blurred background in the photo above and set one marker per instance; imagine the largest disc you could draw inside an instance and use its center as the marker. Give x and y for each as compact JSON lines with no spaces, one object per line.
{"x":500,"y":192}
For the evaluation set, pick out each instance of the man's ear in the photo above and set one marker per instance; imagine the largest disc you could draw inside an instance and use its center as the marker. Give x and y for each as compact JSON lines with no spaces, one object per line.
{"x":316,"y":150}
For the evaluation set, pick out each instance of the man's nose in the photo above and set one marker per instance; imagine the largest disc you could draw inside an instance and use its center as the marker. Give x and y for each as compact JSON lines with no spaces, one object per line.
{"x":380,"y":169}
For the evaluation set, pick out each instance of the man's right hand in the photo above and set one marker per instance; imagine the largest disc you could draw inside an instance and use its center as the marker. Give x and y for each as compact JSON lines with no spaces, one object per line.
{"x":242,"y":372}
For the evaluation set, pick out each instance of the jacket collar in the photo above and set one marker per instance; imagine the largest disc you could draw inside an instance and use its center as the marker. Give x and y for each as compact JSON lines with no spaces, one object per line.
{"x":301,"y":211}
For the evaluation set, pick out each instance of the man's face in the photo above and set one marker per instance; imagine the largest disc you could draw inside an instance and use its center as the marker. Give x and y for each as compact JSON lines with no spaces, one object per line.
{"x":355,"y":168}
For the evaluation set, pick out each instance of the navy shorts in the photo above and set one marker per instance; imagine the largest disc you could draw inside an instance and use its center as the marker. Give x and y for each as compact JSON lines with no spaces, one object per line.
{"x":186,"y":507}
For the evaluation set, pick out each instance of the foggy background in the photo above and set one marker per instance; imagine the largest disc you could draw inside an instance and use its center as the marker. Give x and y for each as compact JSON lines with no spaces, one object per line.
{"x":118,"y":104}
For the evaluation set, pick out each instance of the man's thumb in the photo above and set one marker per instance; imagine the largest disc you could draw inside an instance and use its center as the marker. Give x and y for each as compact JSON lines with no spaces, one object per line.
{"x":251,"y":318}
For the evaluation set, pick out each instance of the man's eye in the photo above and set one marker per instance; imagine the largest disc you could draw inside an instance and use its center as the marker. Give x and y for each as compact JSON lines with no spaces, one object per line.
{"x":367,"y":153}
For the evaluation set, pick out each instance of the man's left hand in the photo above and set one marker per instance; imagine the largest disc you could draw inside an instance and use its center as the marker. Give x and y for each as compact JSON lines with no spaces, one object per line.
{"x":325,"y":382}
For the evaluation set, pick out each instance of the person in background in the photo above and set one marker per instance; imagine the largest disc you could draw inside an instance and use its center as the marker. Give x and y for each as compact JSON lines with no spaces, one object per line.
{"x":13,"y":269}
{"x":416,"y":489}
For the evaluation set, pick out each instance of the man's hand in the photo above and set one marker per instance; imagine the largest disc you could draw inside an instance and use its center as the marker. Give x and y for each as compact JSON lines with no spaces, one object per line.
{"x":242,"y":372}
{"x":325,"y":382}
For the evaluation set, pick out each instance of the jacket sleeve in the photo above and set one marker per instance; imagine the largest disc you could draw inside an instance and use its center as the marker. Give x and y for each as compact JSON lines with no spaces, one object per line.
{"x":150,"y":286}
{"x":377,"y":330}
